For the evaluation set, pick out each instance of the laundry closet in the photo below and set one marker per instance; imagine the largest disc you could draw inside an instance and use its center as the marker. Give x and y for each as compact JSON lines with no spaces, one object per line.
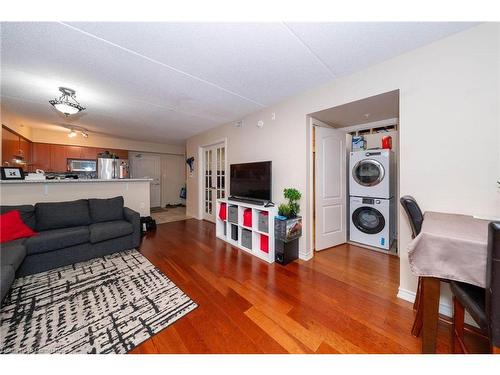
{"x":355,"y":174}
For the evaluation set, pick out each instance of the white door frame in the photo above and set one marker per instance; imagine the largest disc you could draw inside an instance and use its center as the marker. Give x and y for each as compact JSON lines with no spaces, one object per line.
{"x":201,"y":168}
{"x":330,"y":208}
{"x":311,"y":123}
{"x":310,"y":251}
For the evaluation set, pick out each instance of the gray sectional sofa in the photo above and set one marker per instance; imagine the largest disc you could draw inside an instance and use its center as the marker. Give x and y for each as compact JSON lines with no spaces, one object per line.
{"x":68,"y":232}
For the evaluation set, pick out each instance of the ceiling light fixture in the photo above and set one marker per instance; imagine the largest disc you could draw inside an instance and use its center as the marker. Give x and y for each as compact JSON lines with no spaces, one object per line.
{"x":74,"y":130}
{"x":67,"y":103}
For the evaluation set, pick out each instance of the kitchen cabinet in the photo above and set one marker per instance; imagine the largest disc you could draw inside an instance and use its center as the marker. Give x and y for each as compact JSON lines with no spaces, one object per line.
{"x":74,"y":152}
{"x":10,"y":146}
{"x":25,"y":147}
{"x":13,"y":145}
{"x":58,"y":157}
{"x":53,"y":158}
{"x":41,"y":157}
{"x":89,"y":153}
{"x":122,"y":154}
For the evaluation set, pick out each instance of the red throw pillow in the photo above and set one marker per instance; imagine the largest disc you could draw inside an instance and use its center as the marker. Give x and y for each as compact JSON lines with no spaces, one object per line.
{"x":12,"y":227}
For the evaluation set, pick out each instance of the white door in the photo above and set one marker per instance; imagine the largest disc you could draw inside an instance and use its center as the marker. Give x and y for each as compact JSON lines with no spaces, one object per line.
{"x":174,"y":178}
{"x":148,"y":166}
{"x":214,"y":178}
{"x":330,"y":188}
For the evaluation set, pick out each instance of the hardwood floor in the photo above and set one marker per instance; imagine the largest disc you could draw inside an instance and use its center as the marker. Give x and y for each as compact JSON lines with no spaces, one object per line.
{"x":342,"y":301}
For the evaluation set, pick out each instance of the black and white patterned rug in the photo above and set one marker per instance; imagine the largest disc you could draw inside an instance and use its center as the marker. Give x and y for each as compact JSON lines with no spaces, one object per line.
{"x":105,"y":305}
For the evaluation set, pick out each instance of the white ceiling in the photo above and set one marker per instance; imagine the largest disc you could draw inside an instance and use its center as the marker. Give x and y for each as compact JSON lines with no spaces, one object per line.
{"x":375,"y":108}
{"x":165,"y":82}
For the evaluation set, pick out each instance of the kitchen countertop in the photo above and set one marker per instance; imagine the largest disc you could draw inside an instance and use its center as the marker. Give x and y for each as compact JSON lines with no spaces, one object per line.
{"x":74,"y":181}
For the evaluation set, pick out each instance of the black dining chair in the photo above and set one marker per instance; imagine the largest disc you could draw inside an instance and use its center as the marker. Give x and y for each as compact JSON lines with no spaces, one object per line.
{"x":416,"y":219}
{"x":483,"y":305}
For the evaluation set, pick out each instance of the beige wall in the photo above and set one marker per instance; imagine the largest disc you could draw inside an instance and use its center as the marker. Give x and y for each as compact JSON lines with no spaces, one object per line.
{"x":449,"y":130}
{"x":11,"y":121}
{"x":98,"y":140}
{"x":44,"y":135}
{"x":135,"y":193}
{"x":173,"y":176}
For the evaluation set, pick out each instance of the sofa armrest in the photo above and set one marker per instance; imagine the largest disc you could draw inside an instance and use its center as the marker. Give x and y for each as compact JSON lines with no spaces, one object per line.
{"x":133,"y":218}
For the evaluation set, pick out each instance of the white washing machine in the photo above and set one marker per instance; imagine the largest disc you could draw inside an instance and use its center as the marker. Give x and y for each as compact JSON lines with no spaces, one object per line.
{"x":372,"y":221}
{"x":372,"y":173}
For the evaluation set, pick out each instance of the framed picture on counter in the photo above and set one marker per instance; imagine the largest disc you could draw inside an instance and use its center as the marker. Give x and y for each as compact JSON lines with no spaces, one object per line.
{"x":12,"y":173}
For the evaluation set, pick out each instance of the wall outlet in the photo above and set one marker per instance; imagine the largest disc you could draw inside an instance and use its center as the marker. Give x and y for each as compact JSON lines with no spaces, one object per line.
{"x":273,"y":116}
{"x":238,"y":124}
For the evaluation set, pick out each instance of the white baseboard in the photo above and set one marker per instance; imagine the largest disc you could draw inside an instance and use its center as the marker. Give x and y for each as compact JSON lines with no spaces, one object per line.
{"x":305,"y":256}
{"x":407,"y":295}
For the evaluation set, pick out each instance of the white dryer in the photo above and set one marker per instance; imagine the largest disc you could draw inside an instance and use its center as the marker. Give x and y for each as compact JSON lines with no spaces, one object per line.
{"x":372,"y":221}
{"x":372,"y":173}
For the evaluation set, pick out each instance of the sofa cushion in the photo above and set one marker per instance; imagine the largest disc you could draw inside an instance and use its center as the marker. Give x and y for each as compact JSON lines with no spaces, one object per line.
{"x":27,"y":212}
{"x":13,"y":253}
{"x":7,"y":274}
{"x":57,"y":239}
{"x":106,"y":209}
{"x":57,"y":215}
{"x":109,"y":230}
{"x":12,"y":227}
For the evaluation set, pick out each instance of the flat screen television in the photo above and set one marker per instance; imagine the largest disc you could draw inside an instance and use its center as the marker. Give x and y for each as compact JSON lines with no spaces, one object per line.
{"x":251,"y":180}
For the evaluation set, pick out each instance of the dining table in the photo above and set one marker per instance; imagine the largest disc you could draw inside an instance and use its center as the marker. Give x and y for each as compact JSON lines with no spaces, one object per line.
{"x":448,"y":247}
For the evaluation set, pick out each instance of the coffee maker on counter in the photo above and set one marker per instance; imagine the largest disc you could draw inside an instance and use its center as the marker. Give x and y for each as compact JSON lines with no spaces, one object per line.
{"x":109,"y":166}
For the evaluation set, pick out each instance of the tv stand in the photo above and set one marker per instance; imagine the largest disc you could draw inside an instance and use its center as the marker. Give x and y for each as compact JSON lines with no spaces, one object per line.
{"x":256,"y":202}
{"x":233,"y":230}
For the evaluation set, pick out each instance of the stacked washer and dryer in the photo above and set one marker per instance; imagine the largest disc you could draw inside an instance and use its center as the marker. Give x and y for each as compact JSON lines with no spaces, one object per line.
{"x":371,"y":191}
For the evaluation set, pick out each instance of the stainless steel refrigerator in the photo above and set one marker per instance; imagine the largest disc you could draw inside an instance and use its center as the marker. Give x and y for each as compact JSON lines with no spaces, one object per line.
{"x":109,"y":168}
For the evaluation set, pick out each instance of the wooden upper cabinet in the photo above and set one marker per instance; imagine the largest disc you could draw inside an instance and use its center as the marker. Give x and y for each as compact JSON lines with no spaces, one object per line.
{"x":54,"y":158}
{"x":10,"y":146}
{"x":74,"y":152}
{"x":89,"y":153}
{"x":122,"y":154}
{"x":26,"y":148}
{"x":41,"y":157}
{"x":58,"y":156}
{"x":13,"y":145}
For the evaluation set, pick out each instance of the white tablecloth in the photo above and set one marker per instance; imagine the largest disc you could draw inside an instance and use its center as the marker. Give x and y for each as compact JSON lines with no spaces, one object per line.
{"x":452,"y":247}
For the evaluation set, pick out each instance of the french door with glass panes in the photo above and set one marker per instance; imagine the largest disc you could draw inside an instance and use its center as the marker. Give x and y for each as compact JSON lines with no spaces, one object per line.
{"x":214,"y":178}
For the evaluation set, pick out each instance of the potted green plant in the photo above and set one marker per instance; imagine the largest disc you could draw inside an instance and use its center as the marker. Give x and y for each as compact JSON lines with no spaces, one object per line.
{"x":288,"y":225}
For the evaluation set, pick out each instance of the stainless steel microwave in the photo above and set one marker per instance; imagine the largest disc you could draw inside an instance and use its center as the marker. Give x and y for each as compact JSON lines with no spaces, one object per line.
{"x":82,"y":165}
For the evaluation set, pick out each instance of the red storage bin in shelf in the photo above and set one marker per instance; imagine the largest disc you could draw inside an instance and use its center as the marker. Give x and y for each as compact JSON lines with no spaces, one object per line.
{"x":223,"y":212}
{"x":247,"y":217}
{"x":264,"y":243}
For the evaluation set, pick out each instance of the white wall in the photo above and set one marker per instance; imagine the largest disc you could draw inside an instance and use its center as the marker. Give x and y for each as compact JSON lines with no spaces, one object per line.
{"x":449,"y":129}
{"x":173,"y":176}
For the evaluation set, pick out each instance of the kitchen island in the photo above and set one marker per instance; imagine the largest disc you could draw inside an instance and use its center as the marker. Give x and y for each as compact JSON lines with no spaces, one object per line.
{"x":135,"y":191}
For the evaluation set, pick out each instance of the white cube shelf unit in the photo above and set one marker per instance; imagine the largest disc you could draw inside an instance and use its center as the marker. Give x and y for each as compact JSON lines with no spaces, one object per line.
{"x":223,"y":228}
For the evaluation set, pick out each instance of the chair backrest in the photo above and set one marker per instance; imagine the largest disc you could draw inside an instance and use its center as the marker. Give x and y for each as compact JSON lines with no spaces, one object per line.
{"x":493,"y":282}
{"x":414,"y":213}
